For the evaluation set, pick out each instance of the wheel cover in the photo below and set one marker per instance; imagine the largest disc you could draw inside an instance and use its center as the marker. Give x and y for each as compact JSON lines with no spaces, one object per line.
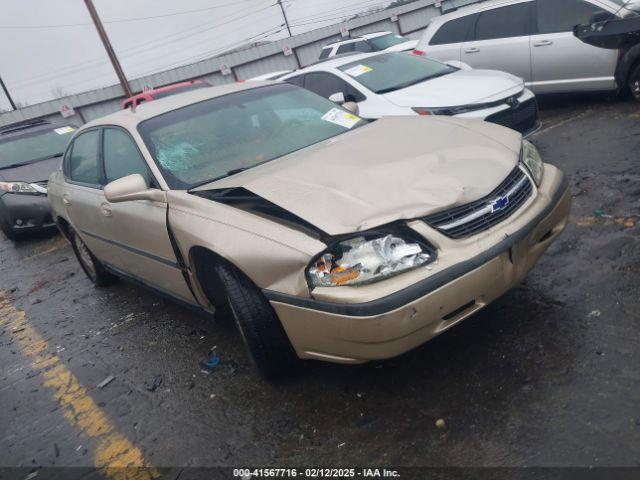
{"x":85,"y":257}
{"x":635,"y":87}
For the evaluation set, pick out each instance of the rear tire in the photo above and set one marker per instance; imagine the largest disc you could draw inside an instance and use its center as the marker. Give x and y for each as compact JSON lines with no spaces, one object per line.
{"x":634,"y":83}
{"x":260,"y":327}
{"x":92,"y":267}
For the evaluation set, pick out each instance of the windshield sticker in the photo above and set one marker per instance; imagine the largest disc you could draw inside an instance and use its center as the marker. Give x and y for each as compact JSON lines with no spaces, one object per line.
{"x":63,"y":130}
{"x":340,"y":117}
{"x":358,"y":70}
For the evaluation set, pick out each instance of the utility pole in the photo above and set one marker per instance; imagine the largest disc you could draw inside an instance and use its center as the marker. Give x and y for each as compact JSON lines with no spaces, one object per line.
{"x":107,"y":45}
{"x":6,"y":92}
{"x":286,"y":21}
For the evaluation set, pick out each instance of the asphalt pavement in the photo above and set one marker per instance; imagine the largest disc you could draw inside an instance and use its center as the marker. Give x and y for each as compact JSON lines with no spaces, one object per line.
{"x":548,"y":375}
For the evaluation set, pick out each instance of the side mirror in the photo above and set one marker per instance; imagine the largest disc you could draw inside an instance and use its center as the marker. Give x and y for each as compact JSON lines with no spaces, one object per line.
{"x":132,"y":187}
{"x":338,"y":98}
{"x":352,"y":107}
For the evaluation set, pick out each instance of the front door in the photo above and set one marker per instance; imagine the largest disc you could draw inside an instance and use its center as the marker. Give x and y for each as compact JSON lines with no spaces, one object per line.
{"x":500,"y":40}
{"x":136,"y":231}
{"x":560,"y":61}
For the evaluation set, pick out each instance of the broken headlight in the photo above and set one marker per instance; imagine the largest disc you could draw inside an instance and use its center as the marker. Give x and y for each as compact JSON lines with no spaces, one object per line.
{"x":17,"y":187}
{"x":533,"y":161}
{"x":362,"y":260}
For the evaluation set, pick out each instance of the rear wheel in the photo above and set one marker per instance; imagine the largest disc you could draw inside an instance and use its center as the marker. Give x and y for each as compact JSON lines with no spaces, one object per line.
{"x":90,"y":264}
{"x":261,"y":330}
{"x":634,"y":83}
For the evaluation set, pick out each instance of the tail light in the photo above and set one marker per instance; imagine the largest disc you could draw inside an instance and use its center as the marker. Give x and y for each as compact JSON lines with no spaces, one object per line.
{"x":418,"y":52}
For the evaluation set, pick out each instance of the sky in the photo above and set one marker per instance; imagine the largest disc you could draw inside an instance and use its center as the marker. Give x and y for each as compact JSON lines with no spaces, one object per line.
{"x":50,"y":48}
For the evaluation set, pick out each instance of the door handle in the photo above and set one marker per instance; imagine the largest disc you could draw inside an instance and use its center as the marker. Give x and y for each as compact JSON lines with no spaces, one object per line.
{"x":471,"y":50}
{"x":105,"y":208}
{"x":66,"y":199}
{"x":543,"y":43}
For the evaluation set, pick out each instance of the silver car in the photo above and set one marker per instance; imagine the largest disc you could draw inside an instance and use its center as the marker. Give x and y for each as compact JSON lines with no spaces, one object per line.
{"x":534,"y":40}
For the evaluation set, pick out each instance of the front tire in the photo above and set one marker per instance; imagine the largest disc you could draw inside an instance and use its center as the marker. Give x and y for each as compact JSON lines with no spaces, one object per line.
{"x":92,"y":267}
{"x":261,"y":330}
{"x":634,"y":83}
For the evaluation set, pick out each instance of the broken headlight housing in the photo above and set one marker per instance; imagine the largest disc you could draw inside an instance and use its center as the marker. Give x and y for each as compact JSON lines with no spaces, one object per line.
{"x":367,"y":259}
{"x":18,"y":187}
{"x":531,"y":159}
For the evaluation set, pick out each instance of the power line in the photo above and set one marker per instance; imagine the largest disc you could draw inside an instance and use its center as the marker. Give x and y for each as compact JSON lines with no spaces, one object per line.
{"x":124,"y":20}
{"x":19,"y":84}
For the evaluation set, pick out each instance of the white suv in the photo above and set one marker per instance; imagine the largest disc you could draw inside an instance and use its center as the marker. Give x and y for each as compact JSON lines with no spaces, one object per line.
{"x":370,"y":42}
{"x":534,"y":40}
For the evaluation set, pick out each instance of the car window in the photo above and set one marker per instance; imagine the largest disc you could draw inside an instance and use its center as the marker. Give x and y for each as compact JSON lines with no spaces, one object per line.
{"x":363,"y":46}
{"x":32,"y":146}
{"x":297,"y":80}
{"x":385,"y":41}
{"x":83,"y":160}
{"x":454,"y":31}
{"x":346,"y":47}
{"x":212,"y":139}
{"x":326,"y":84}
{"x":121,"y":156}
{"x":504,"y":22}
{"x":393,"y":71}
{"x":555,"y":16}
{"x":325,"y":53}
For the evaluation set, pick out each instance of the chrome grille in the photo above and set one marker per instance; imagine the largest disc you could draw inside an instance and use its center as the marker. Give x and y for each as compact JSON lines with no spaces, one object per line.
{"x":478,"y":216}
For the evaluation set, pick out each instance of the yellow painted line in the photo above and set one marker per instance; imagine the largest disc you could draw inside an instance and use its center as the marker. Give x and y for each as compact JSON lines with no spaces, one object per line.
{"x":113,"y":450}
{"x":58,"y":245}
{"x":626,"y":222}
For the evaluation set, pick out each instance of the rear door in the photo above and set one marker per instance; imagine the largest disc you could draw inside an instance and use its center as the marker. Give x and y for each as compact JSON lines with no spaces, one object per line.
{"x":82,"y":190}
{"x":446,"y":43}
{"x":136,"y":231}
{"x":561,"y":62}
{"x":500,"y":40}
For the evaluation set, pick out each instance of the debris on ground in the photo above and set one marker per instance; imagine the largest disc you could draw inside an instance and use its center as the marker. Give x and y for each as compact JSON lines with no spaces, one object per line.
{"x":210,"y":363}
{"x":157,"y":381}
{"x":440,"y":423}
{"x":594,"y":313}
{"x":106,"y":381}
{"x":18,"y":330}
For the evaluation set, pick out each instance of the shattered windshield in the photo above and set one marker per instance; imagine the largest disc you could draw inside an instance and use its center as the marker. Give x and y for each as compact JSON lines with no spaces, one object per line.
{"x":209,"y":140}
{"x":30,"y":147}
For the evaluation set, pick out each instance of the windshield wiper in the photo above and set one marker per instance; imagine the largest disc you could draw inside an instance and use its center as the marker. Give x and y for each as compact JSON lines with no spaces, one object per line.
{"x":35,"y":160}
{"x":414,"y":82}
{"x":228,"y":174}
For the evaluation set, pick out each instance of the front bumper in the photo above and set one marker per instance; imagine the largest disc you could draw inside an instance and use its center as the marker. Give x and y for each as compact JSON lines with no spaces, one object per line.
{"x":25,"y":213}
{"x":355,"y":331}
{"x":522,"y":117}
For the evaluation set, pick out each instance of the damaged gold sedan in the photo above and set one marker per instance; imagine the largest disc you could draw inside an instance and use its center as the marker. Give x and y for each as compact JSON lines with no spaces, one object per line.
{"x":324,"y":235}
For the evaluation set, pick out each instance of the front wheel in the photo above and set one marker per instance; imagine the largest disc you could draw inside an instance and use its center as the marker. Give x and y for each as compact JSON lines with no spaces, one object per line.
{"x":634,"y":83}
{"x":9,"y":233}
{"x":261,"y":330}
{"x":93,"y":268}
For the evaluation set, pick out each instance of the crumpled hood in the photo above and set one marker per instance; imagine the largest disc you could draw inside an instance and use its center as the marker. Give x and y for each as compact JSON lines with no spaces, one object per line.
{"x":464,"y":87}
{"x":34,"y":172}
{"x":394,"y":168}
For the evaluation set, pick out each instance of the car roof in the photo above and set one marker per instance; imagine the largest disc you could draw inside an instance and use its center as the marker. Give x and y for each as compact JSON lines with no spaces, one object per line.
{"x":129,"y":119}
{"x":335,"y":62}
{"x":359,"y":38}
{"x":471,"y":9}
